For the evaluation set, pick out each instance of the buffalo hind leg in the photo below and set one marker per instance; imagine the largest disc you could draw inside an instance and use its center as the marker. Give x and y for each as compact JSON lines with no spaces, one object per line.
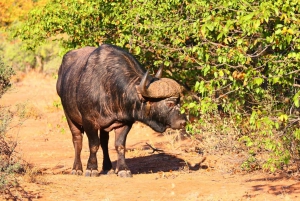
{"x":106,"y":166}
{"x":121,"y":134}
{"x":94,"y":142}
{"x":77,"y":132}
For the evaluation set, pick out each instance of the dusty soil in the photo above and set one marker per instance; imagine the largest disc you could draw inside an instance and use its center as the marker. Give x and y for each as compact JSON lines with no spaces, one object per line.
{"x":180,"y":172}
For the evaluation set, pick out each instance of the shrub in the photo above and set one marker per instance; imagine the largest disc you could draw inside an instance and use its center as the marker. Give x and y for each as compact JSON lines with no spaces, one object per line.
{"x":5,"y":75}
{"x":10,"y":162}
{"x":45,"y":58}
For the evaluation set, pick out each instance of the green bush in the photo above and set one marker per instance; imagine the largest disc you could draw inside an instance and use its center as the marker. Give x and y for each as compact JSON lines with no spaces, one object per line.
{"x":5,"y":75}
{"x":8,"y":164}
{"x":45,"y":58}
{"x":240,"y":58}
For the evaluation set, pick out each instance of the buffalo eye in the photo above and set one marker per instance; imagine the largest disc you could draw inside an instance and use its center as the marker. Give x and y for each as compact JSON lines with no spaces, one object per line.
{"x":171,"y":102}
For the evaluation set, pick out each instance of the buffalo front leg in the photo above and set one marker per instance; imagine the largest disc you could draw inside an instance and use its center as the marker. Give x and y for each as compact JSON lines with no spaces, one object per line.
{"x":106,"y":166}
{"x":76,"y":131}
{"x":121,"y":134}
{"x":94,"y":142}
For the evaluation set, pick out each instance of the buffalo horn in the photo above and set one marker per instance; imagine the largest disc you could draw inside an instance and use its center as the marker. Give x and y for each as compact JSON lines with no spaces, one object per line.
{"x":142,"y":87}
{"x":159,"y":72}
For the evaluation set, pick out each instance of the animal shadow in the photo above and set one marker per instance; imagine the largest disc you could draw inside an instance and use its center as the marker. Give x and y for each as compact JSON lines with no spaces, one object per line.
{"x":154,"y":163}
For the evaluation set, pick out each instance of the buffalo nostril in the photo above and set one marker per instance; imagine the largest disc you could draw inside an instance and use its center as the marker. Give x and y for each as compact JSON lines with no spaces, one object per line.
{"x":183,"y":124}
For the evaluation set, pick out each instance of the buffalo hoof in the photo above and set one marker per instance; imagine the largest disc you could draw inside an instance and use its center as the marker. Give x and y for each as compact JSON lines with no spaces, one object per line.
{"x":91,"y":173}
{"x":108,"y":172}
{"x":76,"y":172}
{"x":124,"y":173}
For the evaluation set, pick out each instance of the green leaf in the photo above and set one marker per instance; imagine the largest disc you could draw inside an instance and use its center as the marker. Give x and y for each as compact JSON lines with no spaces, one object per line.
{"x":221,"y":73}
{"x":297,"y":134}
{"x":258,"y":81}
{"x":239,"y":42}
{"x":197,"y":86}
{"x":248,"y":17}
{"x":166,"y":63}
{"x":296,"y":99}
{"x":283,"y":117}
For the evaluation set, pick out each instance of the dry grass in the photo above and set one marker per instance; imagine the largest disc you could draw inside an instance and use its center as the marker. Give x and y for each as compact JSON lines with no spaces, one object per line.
{"x":134,"y":153}
{"x":173,"y":138}
{"x":33,"y":174}
{"x":18,"y":77}
{"x":28,"y":111}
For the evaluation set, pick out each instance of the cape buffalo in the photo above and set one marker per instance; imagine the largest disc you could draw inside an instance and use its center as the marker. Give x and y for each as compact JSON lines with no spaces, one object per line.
{"x":106,"y":88}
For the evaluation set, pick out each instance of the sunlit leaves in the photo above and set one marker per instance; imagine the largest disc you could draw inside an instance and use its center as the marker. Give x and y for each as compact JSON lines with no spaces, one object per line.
{"x":296,"y":99}
{"x":12,"y":10}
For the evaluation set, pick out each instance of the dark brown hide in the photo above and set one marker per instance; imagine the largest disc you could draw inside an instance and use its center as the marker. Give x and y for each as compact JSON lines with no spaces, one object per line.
{"x":99,"y":90}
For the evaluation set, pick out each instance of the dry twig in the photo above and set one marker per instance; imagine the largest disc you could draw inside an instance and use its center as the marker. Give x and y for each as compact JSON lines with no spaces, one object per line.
{"x":154,"y":149}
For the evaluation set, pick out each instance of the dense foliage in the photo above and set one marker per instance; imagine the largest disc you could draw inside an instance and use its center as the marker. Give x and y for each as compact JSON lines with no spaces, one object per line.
{"x":238,"y":57}
{"x":12,"y":11}
{"x":5,"y":74}
{"x":43,"y":58}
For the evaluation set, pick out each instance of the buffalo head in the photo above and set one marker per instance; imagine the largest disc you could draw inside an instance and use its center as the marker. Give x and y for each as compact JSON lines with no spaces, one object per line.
{"x":162,"y":99}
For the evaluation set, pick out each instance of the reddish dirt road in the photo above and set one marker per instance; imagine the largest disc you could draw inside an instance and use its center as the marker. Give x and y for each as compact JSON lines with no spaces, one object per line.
{"x":180,"y":173}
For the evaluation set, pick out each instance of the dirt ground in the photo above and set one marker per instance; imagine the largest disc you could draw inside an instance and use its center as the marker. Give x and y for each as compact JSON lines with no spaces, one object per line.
{"x":178,"y":173}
